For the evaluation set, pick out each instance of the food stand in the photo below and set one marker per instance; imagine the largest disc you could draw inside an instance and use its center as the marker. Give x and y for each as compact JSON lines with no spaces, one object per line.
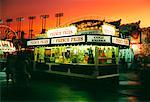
{"x":66,"y":51}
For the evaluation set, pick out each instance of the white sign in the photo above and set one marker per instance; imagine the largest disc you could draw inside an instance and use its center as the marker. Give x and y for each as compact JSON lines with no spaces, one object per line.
{"x":38,"y":42}
{"x":108,"y":29}
{"x":120,"y":41}
{"x":98,"y":38}
{"x":7,"y":46}
{"x":73,"y":39}
{"x":66,"y":31}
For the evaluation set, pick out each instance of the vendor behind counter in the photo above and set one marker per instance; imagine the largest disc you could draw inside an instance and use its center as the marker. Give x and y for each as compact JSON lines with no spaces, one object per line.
{"x":76,"y":54}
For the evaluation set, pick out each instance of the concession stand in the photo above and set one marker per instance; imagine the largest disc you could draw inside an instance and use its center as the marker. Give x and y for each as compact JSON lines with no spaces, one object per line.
{"x":88,"y":53}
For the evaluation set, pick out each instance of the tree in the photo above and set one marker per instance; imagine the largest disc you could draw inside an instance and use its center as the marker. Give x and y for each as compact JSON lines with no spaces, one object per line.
{"x":146,"y":41}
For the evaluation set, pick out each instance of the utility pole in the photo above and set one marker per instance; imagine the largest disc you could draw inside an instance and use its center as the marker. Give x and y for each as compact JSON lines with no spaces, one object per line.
{"x":31,"y":18}
{"x":43,"y":18}
{"x":58,"y":18}
{"x":19,"y":24}
{"x":8,"y":21}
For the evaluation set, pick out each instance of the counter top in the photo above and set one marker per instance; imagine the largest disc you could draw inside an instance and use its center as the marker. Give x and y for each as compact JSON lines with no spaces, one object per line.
{"x":80,"y":64}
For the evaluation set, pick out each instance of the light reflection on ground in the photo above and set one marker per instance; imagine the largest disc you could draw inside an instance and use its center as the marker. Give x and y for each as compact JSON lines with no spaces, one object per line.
{"x":60,"y":91}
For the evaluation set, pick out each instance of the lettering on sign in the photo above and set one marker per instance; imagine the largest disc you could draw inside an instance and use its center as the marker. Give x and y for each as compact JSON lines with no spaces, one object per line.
{"x":62,"y":40}
{"x":108,"y":29}
{"x":120,"y":41}
{"x":66,"y":31}
{"x":38,"y":42}
{"x":74,"y":39}
{"x":6,"y":46}
{"x":98,"y":38}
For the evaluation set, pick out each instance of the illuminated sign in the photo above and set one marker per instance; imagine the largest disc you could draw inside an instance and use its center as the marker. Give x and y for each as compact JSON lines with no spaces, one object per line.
{"x":40,"y":36}
{"x":7,"y":46}
{"x":120,"y":41}
{"x":108,"y":29}
{"x":38,"y":42}
{"x":73,"y":39}
{"x":89,"y":32}
{"x":66,"y":31}
{"x":99,"y":38}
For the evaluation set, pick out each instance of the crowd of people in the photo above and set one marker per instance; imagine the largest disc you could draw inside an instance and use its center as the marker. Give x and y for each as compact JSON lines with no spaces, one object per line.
{"x":18,"y":68}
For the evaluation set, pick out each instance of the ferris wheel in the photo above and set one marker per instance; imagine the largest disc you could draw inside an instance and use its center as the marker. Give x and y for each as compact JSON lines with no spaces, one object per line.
{"x":7,"y":32}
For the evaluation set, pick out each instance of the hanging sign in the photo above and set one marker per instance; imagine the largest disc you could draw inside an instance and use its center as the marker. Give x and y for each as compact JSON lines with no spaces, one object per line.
{"x":99,"y":38}
{"x":73,"y":39}
{"x":38,"y":42}
{"x":120,"y":41}
{"x":66,"y":31}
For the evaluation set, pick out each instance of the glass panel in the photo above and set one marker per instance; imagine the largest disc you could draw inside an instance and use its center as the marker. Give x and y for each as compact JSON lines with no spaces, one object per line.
{"x":107,"y":54}
{"x":83,"y":54}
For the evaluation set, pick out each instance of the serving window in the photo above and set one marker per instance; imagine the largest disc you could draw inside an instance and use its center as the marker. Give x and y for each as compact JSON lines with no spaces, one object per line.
{"x":107,"y":54}
{"x":81,"y":54}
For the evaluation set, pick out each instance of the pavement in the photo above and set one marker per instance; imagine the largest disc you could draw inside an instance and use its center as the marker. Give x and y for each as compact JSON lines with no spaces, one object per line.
{"x":63,"y":90}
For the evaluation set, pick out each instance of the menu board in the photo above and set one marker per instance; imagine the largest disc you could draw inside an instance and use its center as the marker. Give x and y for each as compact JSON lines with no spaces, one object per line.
{"x":99,"y":38}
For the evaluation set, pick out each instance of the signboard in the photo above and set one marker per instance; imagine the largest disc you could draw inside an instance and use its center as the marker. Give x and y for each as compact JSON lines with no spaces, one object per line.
{"x":108,"y":29}
{"x":89,"y":32}
{"x":7,"y":46}
{"x":99,"y":38}
{"x":40,"y":36}
{"x":120,"y":41}
{"x":38,"y":42}
{"x":73,"y":39}
{"x":66,"y":31}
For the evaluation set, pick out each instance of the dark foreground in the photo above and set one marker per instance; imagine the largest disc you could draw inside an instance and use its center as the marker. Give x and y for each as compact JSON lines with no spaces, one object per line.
{"x":49,"y":88}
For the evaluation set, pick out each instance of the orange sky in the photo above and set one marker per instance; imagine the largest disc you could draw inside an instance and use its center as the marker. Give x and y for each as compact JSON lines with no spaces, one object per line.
{"x":127,"y":10}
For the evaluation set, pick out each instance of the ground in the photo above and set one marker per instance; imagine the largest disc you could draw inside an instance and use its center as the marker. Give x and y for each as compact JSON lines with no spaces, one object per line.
{"x":54,"y":89}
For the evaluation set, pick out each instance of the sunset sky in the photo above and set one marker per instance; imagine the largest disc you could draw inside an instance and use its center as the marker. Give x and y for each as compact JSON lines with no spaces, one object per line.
{"x":110,"y":10}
